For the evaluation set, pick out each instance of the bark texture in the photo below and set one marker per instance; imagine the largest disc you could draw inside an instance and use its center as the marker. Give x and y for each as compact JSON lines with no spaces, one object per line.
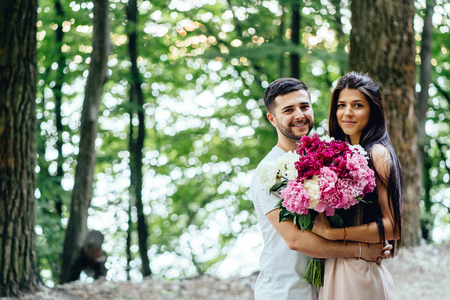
{"x":281,"y":33}
{"x":422,"y":104}
{"x":57,"y":91}
{"x":136,"y":139}
{"x":18,"y":265}
{"x":82,"y":191}
{"x":425,"y":70}
{"x":295,"y":26}
{"x":382,"y":45}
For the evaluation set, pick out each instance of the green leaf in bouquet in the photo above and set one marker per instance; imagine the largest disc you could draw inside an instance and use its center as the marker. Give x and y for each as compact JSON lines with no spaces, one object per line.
{"x":336,"y":221}
{"x":363,"y":201}
{"x":278,"y":185}
{"x":284,"y":214}
{"x":279,"y":205}
{"x":304,"y":222}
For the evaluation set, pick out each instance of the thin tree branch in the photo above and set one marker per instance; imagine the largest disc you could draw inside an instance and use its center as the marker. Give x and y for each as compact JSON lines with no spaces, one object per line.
{"x":444,"y":93}
{"x":441,"y":145}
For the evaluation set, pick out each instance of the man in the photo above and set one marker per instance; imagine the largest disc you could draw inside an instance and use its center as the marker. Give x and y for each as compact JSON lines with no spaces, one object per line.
{"x":286,"y":252}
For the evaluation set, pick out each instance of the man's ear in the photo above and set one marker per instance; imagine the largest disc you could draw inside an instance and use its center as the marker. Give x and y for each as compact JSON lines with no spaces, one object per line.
{"x":271,"y":119}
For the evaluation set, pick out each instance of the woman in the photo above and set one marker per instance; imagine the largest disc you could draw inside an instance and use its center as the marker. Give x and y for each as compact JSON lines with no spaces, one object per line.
{"x":357,"y":116}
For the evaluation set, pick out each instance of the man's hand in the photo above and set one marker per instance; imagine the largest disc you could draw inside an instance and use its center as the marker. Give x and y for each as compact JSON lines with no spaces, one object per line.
{"x":375,"y":252}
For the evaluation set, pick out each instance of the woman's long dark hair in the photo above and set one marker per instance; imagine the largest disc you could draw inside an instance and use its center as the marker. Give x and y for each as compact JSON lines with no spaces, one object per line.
{"x":374,"y":133}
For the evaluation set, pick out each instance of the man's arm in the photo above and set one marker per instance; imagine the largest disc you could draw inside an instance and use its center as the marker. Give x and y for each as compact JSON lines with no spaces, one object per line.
{"x":315,"y":246}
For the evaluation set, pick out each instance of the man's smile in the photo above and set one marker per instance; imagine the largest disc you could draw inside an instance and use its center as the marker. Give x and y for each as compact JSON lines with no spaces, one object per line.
{"x":299,"y":125}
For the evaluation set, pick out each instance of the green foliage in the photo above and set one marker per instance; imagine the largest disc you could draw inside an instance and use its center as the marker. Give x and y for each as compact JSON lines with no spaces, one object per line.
{"x":69,"y":55}
{"x":435,"y":206}
{"x":204,"y":68}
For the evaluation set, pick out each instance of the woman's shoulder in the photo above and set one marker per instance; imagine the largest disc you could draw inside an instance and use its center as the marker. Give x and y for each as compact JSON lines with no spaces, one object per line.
{"x":381,"y":158}
{"x":380,"y":151}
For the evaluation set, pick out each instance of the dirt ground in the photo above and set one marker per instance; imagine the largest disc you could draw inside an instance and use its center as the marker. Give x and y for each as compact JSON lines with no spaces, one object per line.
{"x":419,"y":273}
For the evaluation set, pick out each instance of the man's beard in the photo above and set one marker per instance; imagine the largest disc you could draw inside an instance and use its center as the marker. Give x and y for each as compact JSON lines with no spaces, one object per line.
{"x":289,"y":133}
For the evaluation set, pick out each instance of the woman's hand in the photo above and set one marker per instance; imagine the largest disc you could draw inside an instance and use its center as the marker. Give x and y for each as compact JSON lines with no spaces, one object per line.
{"x":322,"y":226}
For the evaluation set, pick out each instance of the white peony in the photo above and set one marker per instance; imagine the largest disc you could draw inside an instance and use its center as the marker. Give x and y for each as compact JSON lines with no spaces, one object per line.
{"x":359,"y":148}
{"x":267,"y":172}
{"x":286,"y":165}
{"x":313,"y":189}
{"x":327,"y":138}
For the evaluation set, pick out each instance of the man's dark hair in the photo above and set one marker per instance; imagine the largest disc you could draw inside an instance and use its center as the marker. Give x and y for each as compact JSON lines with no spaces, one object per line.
{"x":282,"y":86}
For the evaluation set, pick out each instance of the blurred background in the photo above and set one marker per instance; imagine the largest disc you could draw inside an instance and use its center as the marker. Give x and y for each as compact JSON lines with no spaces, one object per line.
{"x":181,"y":123}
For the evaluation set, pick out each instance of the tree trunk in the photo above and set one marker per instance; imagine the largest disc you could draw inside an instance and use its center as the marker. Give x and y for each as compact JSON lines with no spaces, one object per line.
{"x":82,"y":190}
{"x":425,"y":81}
{"x":382,"y":44}
{"x":128,"y":249}
{"x":425,"y":71}
{"x":18,"y":77}
{"x":295,"y":26}
{"x":281,"y":38}
{"x":136,"y":143}
{"x":57,"y":91}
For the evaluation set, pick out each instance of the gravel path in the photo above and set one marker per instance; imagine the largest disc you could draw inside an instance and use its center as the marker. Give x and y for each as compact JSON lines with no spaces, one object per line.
{"x":419,"y":273}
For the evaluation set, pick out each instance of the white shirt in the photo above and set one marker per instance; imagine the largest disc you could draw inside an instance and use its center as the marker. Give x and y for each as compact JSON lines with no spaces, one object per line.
{"x":282,"y":269}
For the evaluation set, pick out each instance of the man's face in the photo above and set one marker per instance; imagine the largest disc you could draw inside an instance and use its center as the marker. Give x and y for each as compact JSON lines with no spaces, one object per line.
{"x":292,"y":116}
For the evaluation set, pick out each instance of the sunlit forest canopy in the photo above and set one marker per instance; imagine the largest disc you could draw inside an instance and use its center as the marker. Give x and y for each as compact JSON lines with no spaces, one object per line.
{"x":203,"y":66}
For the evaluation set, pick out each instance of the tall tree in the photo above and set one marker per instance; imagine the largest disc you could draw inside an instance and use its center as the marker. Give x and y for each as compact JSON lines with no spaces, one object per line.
{"x":57,"y":90}
{"x":295,"y":26}
{"x":382,"y":44}
{"x":281,"y":32}
{"x":425,"y":81}
{"x":136,"y":140}
{"x":18,"y":74}
{"x":82,"y":192}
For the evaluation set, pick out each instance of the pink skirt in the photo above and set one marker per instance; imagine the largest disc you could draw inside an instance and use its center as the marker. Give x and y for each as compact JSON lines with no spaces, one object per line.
{"x":353,"y":278}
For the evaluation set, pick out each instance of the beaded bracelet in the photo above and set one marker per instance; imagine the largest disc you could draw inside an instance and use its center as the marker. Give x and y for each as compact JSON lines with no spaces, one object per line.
{"x":345,"y":234}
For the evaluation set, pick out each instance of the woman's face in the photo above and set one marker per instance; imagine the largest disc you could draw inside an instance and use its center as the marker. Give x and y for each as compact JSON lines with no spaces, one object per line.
{"x":353,"y":113}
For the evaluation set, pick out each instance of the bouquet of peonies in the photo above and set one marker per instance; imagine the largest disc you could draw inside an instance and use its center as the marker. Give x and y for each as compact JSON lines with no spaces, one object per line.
{"x":324,"y":175}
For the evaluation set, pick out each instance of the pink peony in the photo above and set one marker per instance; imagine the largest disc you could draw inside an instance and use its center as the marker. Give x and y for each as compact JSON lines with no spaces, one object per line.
{"x":333,"y":197}
{"x":307,"y":167}
{"x":295,"y":198}
{"x":327,"y":180}
{"x":362,"y":175}
{"x":336,"y":174}
{"x":350,"y":191}
{"x":331,"y":175}
{"x":370,"y":186}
